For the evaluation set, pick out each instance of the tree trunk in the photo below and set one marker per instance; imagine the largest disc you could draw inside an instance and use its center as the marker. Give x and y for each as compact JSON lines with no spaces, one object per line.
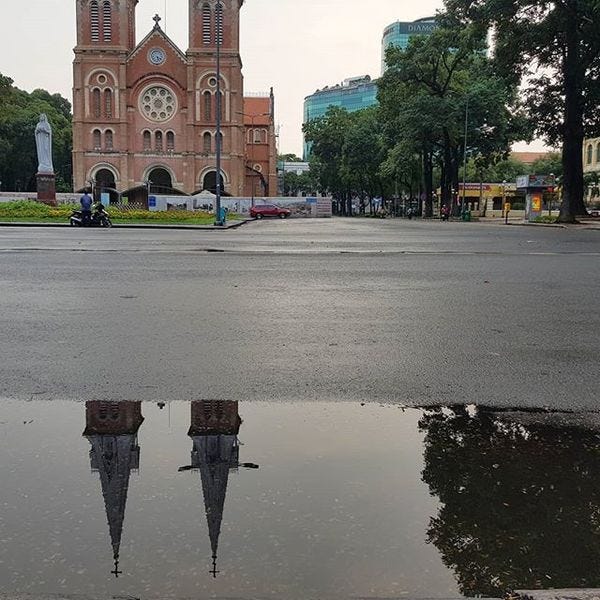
{"x":428,"y":182}
{"x":573,"y":132}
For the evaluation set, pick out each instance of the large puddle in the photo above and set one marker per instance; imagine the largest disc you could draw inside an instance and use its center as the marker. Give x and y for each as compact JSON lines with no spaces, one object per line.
{"x":216,"y":499}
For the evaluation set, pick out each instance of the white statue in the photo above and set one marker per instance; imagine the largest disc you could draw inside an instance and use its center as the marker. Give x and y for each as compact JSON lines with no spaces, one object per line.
{"x":43,"y":141}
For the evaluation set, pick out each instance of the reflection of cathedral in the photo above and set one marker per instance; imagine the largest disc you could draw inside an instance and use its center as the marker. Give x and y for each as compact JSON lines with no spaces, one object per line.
{"x":144,"y":115}
{"x":214,"y":429}
{"x":111,"y":429}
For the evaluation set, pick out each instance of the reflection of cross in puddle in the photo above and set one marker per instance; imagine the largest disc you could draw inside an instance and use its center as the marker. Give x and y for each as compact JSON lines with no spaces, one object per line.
{"x":214,"y":429}
{"x":111,"y":428}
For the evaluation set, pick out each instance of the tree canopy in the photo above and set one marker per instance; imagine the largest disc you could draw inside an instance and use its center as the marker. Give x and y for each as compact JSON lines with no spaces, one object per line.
{"x":515,"y":492}
{"x":553,"y":50}
{"x":19,"y":115}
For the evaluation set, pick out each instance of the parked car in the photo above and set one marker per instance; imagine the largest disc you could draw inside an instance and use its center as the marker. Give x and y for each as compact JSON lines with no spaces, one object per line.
{"x":594,"y":212}
{"x":269,"y":210}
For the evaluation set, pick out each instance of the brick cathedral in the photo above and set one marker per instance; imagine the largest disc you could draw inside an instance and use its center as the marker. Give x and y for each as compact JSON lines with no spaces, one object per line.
{"x":144,"y":115}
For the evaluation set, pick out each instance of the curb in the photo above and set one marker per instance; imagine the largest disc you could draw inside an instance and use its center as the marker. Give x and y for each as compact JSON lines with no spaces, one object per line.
{"x":233,"y":225}
{"x":555,"y":225}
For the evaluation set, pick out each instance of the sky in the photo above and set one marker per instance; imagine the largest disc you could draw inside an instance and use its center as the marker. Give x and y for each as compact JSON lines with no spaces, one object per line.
{"x":295,"y":46}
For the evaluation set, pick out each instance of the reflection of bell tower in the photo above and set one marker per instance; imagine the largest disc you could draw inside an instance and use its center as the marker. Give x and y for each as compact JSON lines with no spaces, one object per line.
{"x":111,"y":429}
{"x":214,"y":429}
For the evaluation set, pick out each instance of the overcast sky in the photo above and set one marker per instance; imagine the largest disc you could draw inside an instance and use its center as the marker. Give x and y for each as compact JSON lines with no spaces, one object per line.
{"x":296,"y":46}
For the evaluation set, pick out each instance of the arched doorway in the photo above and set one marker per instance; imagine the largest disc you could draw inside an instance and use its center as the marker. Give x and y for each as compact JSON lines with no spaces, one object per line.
{"x":210,"y":182}
{"x":160,"y":181}
{"x":104,"y":183}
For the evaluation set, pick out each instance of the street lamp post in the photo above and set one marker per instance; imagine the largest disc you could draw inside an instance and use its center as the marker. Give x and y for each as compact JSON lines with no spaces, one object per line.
{"x":464,"y":190}
{"x":550,"y":198}
{"x":218,"y":220}
{"x":504,"y":202}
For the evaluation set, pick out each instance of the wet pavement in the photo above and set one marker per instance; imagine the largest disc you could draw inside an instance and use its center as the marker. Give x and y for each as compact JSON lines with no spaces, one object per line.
{"x":333,"y":310}
{"x":268,"y":500}
{"x":325,"y":467}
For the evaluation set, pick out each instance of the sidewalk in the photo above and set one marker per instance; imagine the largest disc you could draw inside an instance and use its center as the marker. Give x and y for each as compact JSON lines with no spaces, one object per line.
{"x":229,"y":225}
{"x":583,"y":223}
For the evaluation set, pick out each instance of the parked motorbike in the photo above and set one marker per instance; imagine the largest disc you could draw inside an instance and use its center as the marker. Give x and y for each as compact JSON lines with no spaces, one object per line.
{"x":98,"y":218}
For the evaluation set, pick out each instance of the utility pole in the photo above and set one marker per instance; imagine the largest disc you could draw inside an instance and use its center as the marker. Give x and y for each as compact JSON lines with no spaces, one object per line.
{"x":464,"y":190}
{"x":218,"y":220}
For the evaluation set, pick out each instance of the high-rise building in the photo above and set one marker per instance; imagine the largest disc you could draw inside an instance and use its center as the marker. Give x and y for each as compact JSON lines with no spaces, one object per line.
{"x":144,"y":114}
{"x":352,"y":94}
{"x":399,"y":33}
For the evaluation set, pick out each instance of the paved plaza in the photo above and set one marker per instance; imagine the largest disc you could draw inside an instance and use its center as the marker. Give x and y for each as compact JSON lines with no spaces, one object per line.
{"x":369,"y":310}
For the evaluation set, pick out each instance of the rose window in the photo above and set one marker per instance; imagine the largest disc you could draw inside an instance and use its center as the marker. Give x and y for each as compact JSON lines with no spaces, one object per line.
{"x":158,"y":103}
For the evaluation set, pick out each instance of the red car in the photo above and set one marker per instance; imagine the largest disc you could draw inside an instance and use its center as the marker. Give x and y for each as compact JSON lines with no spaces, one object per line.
{"x":269,"y":210}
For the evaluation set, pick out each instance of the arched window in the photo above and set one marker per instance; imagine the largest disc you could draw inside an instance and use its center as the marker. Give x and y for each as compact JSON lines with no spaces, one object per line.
{"x":107,"y":21}
{"x":95,"y":21}
{"x":96,"y":103}
{"x":147,"y":141}
{"x":598,"y":153}
{"x":207,"y":139}
{"x":206,"y":24}
{"x":207,"y":106}
{"x":97,"y":139}
{"x":158,"y":141}
{"x":219,"y":23}
{"x":109,"y":140}
{"x":170,"y":141}
{"x":258,"y":137}
{"x":590,"y":152}
{"x":108,"y":104}
{"x":221,"y":141}
{"x":221,"y":105}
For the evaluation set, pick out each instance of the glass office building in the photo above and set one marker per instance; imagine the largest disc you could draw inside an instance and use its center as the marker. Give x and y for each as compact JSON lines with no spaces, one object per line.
{"x":352,"y":94}
{"x":398,"y":34}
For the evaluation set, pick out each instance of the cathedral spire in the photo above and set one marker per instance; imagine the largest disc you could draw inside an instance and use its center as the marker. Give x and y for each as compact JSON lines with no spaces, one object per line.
{"x":111,"y":429}
{"x":214,"y":429}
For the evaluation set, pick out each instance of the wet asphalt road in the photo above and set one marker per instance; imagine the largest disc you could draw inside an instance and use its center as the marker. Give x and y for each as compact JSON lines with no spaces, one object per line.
{"x":385,"y":311}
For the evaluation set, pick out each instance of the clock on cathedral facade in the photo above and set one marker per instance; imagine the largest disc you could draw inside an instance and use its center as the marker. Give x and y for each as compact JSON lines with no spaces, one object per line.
{"x":144,"y":114}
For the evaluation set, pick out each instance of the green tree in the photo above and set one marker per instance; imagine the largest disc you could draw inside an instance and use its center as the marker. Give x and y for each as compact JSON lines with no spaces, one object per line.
{"x":505,"y":169}
{"x":551,"y":164}
{"x":363,"y":152}
{"x":295,"y":184}
{"x":554,"y":48}
{"x":514,"y":492}
{"x":438,"y":86}
{"x":19,"y":115}
{"x":288,"y":158}
{"x":327,"y":135}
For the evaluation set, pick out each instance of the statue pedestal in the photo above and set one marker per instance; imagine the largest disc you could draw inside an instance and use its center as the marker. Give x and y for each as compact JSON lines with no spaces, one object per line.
{"x":46,"y":188}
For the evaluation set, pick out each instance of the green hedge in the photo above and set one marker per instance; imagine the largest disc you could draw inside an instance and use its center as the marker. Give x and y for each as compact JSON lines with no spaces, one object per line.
{"x":28,"y":210}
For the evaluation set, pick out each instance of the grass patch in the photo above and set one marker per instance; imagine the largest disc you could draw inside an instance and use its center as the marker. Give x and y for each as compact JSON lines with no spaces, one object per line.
{"x":545,"y":219}
{"x":27,"y":211}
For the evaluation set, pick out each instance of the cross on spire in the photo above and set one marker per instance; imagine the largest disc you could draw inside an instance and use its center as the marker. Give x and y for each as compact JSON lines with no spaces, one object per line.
{"x":214,"y":571}
{"x":116,"y":572}
{"x":156,"y":20}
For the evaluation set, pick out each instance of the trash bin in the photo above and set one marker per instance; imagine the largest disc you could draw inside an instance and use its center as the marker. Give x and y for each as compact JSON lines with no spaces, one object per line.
{"x":222,"y":215}
{"x":466,"y":215}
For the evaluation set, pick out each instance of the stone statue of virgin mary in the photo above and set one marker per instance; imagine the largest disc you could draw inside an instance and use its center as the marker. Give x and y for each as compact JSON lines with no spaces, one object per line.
{"x":43,"y":141}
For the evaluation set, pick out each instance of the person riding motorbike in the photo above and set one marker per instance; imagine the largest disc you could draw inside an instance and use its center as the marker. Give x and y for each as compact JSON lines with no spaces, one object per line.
{"x":86,"y":207}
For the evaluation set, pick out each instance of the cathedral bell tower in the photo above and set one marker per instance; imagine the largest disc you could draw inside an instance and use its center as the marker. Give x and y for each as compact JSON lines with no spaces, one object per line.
{"x":216,"y":24}
{"x":105,"y":38}
{"x":205,"y":26}
{"x":106,"y":24}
